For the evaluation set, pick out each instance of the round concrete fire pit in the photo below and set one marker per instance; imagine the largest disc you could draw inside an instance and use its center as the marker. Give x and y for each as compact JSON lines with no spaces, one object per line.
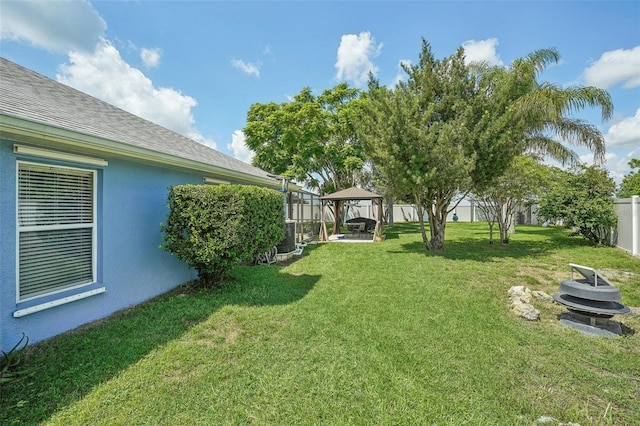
{"x":591,"y":300}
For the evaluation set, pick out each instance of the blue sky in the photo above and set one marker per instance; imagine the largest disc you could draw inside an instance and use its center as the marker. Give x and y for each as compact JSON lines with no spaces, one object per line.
{"x":197,"y":66}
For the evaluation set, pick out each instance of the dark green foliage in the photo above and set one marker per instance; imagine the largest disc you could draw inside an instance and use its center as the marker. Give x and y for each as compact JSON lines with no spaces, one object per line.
{"x":454,"y":127}
{"x":309,"y":139}
{"x":418,"y":135}
{"x":11,"y":369}
{"x":631,"y":182}
{"x":213,"y":228}
{"x":583,"y":199}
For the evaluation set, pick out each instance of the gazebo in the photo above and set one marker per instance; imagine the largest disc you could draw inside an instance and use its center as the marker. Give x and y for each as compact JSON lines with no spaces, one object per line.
{"x":338,"y":199}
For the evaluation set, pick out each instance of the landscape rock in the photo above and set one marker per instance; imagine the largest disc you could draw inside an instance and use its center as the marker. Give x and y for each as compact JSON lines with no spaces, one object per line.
{"x":541,"y":295}
{"x":520,"y":292}
{"x":525,"y":310}
{"x":516,"y":291}
{"x":542,"y":420}
{"x":527,"y":297}
{"x":521,"y":303}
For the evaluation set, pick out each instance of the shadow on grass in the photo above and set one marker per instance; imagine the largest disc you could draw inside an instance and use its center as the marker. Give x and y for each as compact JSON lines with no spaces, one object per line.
{"x":474,"y":243}
{"x":68,"y":366}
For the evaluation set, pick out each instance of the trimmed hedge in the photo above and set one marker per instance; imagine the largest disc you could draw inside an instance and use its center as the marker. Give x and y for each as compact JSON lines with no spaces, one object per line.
{"x":213,"y":228}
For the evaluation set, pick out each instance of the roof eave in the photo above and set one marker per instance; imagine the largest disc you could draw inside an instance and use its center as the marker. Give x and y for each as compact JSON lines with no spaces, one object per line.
{"x":22,"y":130}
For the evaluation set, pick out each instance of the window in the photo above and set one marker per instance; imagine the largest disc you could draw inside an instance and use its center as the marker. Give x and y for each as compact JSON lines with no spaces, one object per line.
{"x":56,"y":229}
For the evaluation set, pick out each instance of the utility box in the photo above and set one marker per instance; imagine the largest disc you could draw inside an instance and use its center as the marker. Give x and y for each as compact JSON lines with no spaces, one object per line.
{"x":288,"y":244}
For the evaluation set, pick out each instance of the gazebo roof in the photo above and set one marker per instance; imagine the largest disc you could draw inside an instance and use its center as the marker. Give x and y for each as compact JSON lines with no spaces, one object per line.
{"x":352,"y":193}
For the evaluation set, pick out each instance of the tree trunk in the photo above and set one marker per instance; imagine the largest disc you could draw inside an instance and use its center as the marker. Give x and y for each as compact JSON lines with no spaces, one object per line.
{"x":425,"y":240}
{"x":437,"y":214}
{"x":491,"y":233}
{"x":504,"y":235}
{"x":437,"y":235}
{"x":336,"y":219}
{"x":389,"y":211}
{"x":437,"y":226}
{"x":504,"y":221}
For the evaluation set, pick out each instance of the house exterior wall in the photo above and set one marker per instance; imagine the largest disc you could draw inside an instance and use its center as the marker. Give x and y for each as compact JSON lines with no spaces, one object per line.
{"x":131,"y":204}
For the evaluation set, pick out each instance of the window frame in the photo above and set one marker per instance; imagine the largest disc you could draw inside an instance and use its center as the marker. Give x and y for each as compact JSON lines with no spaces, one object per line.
{"x":48,"y":227}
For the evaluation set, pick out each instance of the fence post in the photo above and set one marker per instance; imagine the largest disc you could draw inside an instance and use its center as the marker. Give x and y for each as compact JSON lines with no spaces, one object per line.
{"x":634,"y":225}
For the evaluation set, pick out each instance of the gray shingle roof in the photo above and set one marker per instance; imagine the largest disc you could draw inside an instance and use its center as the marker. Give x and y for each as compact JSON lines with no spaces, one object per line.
{"x":28,"y":95}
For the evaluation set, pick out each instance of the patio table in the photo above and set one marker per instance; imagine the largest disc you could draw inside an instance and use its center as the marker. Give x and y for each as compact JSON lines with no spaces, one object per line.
{"x":354,"y":227}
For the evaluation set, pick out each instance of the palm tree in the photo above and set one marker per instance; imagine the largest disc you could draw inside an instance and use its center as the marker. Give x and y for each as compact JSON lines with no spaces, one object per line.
{"x":541,"y":111}
{"x":540,"y":118}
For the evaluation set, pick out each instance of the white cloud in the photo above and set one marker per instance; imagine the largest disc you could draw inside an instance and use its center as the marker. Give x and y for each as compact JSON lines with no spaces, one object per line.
{"x":355,"y":55}
{"x":150,"y":57}
{"x":621,"y":66}
{"x":105,"y":75}
{"x":482,"y":51}
{"x":240,"y":150}
{"x":57,"y":26}
{"x":401,"y":75}
{"x":623,"y":144}
{"x":246,"y":67}
{"x":588,"y":158}
{"x":625,"y":133}
{"x":619,"y":166}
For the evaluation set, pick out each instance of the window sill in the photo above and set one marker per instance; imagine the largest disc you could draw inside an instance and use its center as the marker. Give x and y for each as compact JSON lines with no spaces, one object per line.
{"x":37,"y":308}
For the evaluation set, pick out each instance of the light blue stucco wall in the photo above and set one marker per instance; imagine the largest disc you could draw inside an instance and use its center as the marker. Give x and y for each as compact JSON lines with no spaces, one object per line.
{"x":131,"y":204}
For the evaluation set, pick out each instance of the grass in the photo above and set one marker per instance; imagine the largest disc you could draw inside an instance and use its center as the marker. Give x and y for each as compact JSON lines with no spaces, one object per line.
{"x":352,"y":334}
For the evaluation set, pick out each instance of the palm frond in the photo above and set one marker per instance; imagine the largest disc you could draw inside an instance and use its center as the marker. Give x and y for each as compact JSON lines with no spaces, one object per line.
{"x":541,"y":145}
{"x":581,"y":133}
{"x":541,"y":58}
{"x":578,"y":98}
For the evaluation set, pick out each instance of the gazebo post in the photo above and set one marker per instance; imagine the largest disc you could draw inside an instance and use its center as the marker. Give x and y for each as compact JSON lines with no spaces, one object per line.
{"x":323,"y":225}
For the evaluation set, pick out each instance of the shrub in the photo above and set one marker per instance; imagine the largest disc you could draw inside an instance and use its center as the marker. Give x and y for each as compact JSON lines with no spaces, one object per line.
{"x":584,"y":200}
{"x":213,"y":228}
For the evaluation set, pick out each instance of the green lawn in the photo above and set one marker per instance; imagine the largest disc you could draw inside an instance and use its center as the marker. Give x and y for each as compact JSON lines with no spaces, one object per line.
{"x":352,"y":334}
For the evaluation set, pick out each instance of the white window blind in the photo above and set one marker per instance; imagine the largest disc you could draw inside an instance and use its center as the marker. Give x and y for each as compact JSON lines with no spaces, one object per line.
{"x":56,"y":226}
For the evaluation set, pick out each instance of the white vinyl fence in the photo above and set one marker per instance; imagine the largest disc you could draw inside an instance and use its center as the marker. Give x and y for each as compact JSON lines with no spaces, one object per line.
{"x":627,"y":236}
{"x":409,"y":213}
{"x":405,"y":212}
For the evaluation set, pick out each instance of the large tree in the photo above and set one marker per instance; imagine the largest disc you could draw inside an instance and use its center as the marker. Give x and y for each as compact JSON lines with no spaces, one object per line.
{"x":417,"y":135}
{"x":453,"y":127}
{"x":310,"y":139}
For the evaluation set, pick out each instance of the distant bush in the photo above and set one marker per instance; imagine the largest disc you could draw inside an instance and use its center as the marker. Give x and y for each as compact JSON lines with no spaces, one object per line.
{"x":583,"y":199}
{"x":213,"y":228}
